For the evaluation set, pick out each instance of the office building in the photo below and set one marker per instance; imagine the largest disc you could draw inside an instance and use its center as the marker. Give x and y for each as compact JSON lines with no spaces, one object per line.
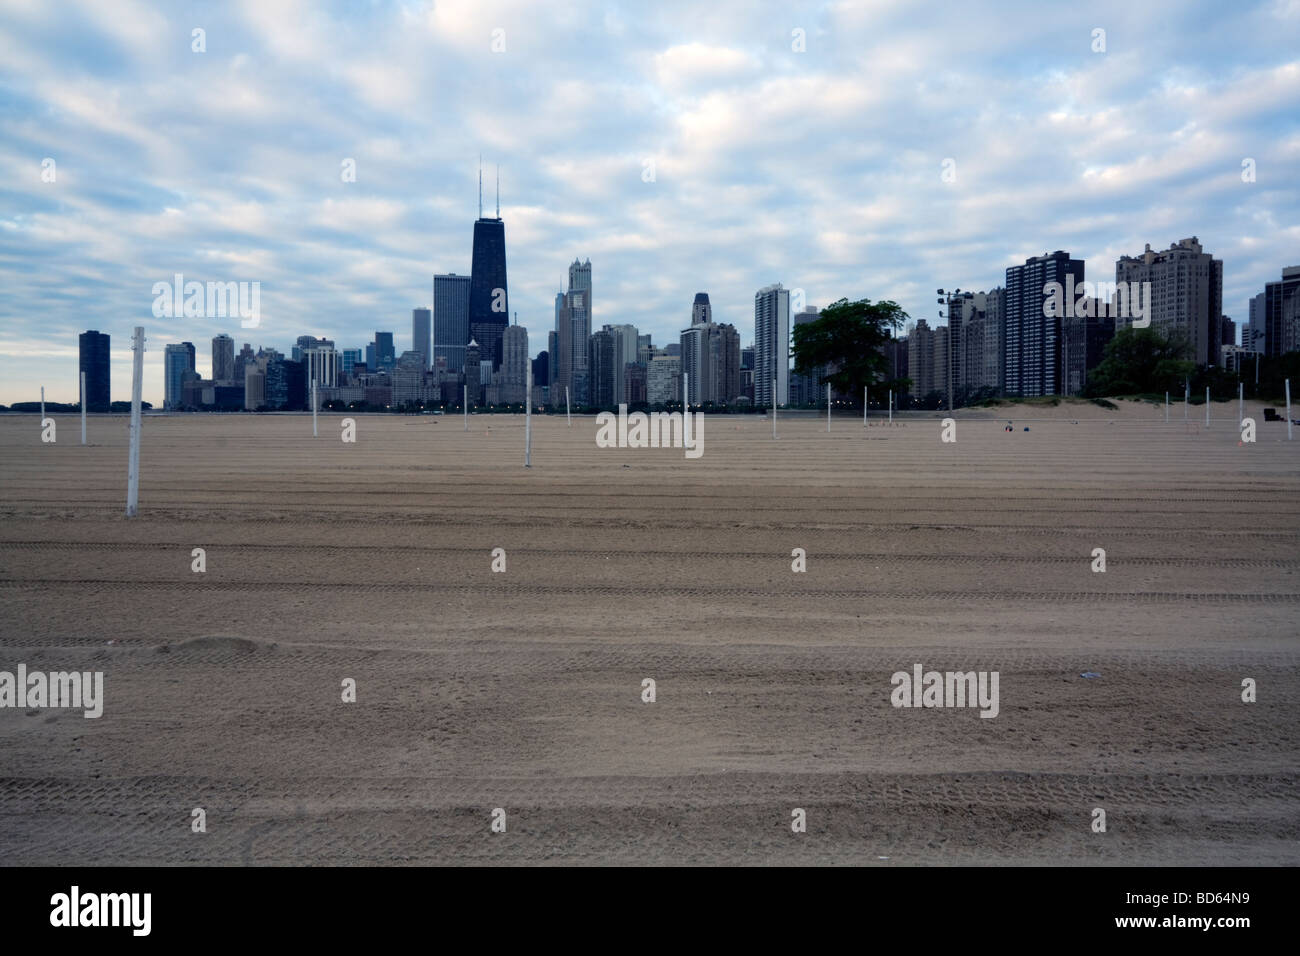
{"x":451,"y":319}
{"x":178,"y":360}
{"x":514,"y":364}
{"x":422,"y":336}
{"x":489,"y":297}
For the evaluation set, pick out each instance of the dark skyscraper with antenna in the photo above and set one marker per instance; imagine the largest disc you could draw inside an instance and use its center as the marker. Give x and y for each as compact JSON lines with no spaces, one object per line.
{"x":489,"y":303}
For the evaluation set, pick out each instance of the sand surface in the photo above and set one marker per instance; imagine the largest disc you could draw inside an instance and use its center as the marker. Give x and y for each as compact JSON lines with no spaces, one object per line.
{"x":522,"y":690}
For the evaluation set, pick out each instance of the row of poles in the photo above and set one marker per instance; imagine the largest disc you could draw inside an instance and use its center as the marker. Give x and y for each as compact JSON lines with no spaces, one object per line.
{"x":137,"y":378}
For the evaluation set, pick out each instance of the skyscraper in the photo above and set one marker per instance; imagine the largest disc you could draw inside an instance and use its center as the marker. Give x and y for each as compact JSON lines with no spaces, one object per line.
{"x":514,"y":364}
{"x":625,"y":351}
{"x":1253,"y":335}
{"x":94,"y":363}
{"x":489,"y":299}
{"x":1032,"y":344}
{"x":385,"y":357}
{"x":223,"y":359}
{"x":772,"y":344}
{"x":177,"y":360}
{"x":580,"y":278}
{"x":701,"y":311}
{"x":421,"y":334}
{"x":572,"y":342}
{"x":451,"y":319}
{"x":243,"y":360}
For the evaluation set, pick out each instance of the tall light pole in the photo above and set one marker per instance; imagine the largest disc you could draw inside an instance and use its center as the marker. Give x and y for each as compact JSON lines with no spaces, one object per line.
{"x":945,"y":299}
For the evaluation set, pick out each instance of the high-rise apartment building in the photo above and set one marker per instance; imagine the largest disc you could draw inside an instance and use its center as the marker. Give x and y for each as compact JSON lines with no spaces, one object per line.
{"x":1254,"y":335}
{"x":602,"y":366}
{"x":663,"y":379}
{"x":1186,"y":300}
{"x":772,"y":344}
{"x":1031,"y":345}
{"x":1282,"y":313}
{"x":975,"y":331}
{"x":1083,"y":340}
{"x":807,"y":388}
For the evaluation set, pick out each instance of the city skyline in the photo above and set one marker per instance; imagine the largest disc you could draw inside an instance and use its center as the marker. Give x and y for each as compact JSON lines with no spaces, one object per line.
{"x":642,"y":159}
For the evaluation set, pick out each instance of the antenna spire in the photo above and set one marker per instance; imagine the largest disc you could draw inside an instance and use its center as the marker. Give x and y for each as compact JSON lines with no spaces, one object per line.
{"x":480,"y":185}
{"x":498,"y":190}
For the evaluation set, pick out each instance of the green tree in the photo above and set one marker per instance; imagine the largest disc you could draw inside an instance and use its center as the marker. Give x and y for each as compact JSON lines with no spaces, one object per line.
{"x":1140,"y":361}
{"x":845,"y":344}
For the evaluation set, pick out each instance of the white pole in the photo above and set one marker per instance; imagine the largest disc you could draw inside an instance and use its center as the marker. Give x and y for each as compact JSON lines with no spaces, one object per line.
{"x":1288,"y":409}
{"x":133,"y":461}
{"x":567,"y":414}
{"x":1187,"y":398}
{"x":42,"y":403}
{"x":864,"y":406}
{"x":528,"y":420}
{"x":1241,"y":402}
{"x":465,"y":401}
{"x":1166,"y":408}
{"x":891,"y":406}
{"x":828,"y":408}
{"x":686,"y":410}
{"x":1207,"y":406}
{"x":313,"y":409}
{"x":774,"y":407}
{"x":83,"y":408}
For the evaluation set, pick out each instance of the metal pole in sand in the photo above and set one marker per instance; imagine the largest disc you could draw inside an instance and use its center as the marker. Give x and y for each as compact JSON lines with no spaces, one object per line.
{"x":83,"y":408}
{"x":864,"y":407}
{"x":1187,"y":398}
{"x":528,"y":420}
{"x":1288,"y":409}
{"x":1207,"y":406}
{"x":42,"y":403}
{"x":465,"y":401}
{"x":1241,"y":402}
{"x":133,"y":459}
{"x":686,"y":411}
{"x":567,"y":414}
{"x":313,"y":409}
{"x":891,"y":406}
{"x":1166,"y":408}
{"x":828,"y":408}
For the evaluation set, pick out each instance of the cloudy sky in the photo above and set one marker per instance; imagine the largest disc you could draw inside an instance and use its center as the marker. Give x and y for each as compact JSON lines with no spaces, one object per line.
{"x":801,"y":143}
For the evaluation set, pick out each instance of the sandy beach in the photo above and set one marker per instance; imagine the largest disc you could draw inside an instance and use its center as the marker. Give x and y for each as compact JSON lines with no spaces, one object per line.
{"x":522,"y":690}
